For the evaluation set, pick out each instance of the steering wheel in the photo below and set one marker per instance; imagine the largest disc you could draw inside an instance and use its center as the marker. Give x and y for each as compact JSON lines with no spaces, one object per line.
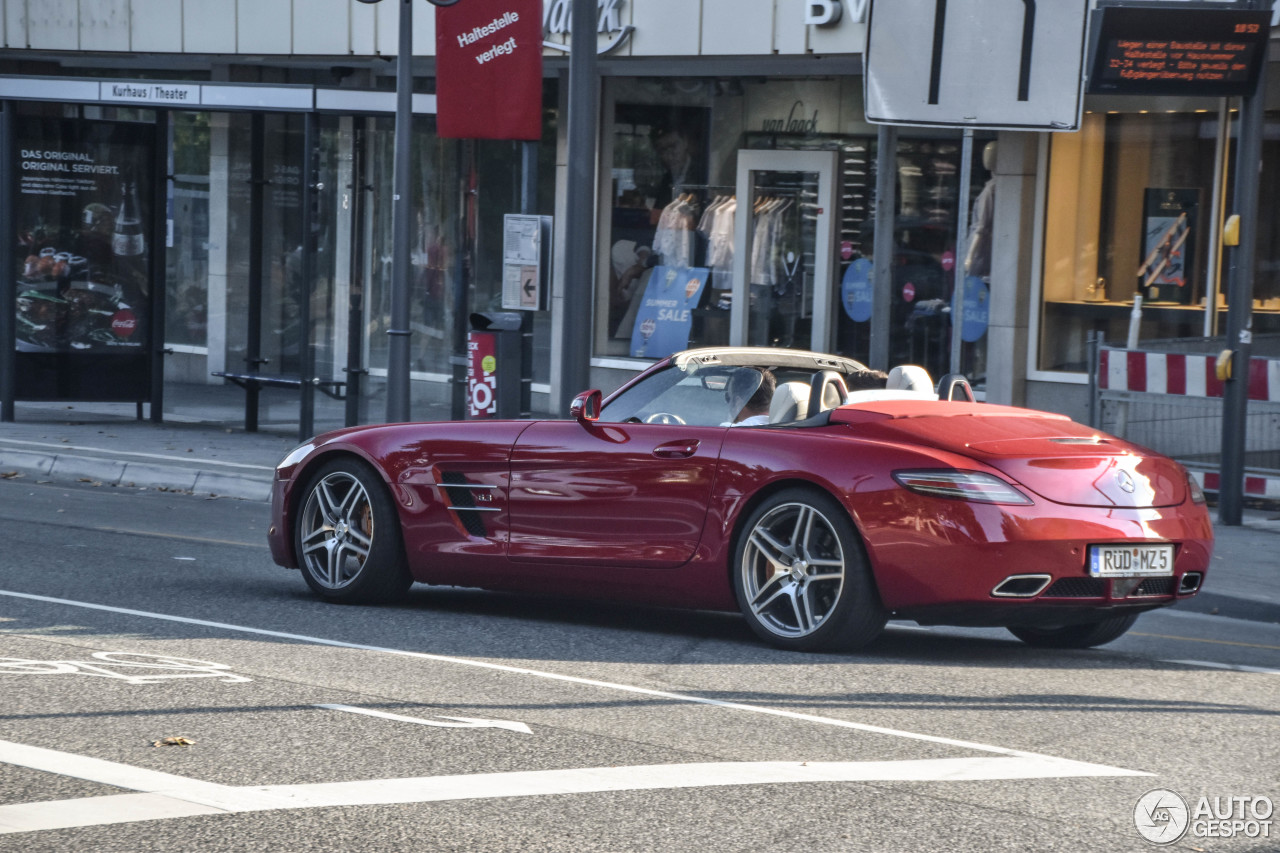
{"x":664,"y":418}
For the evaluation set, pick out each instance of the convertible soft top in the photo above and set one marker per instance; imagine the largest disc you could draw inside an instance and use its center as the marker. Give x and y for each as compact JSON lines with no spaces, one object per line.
{"x":757,"y":356}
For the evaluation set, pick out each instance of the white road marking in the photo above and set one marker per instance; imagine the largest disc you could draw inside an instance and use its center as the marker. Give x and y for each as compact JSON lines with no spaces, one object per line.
{"x":550,"y":676}
{"x":154,"y":668}
{"x":1236,"y":667}
{"x":459,"y":722}
{"x":115,"y":453}
{"x":163,"y":795}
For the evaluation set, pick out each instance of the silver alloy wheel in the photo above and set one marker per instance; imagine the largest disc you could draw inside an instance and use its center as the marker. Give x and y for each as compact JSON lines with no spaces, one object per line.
{"x":793,"y":570}
{"x":336,"y":530}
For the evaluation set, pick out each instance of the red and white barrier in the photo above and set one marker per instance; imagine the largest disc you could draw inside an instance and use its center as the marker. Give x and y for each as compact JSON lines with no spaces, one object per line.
{"x":1181,"y":374}
{"x":1255,"y":486}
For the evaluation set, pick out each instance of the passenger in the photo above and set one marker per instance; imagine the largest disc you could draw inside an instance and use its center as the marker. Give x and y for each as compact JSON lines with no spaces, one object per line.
{"x":756,"y":387}
{"x":866,"y":380}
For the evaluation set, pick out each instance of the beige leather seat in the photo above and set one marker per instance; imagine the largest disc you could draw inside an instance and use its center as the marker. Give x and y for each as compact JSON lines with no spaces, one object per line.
{"x":909,"y":377}
{"x":790,"y":403}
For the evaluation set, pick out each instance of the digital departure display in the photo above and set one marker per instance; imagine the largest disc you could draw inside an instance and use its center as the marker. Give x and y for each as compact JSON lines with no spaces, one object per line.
{"x":1158,"y":49}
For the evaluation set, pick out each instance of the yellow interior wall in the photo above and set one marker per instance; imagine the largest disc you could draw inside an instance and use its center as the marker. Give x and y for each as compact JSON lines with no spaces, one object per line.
{"x":1074,"y":211}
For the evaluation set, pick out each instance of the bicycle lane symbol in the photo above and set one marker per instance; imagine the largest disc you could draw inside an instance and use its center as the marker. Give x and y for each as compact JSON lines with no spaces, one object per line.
{"x":129,"y":667}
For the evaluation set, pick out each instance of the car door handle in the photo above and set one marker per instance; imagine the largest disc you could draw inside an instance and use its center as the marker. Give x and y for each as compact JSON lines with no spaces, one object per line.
{"x":676,"y":449}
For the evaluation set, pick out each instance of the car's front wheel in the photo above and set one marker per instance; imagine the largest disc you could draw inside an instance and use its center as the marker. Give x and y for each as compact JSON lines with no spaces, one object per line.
{"x":347,"y":535}
{"x":801,"y":576}
{"x":1076,"y":636}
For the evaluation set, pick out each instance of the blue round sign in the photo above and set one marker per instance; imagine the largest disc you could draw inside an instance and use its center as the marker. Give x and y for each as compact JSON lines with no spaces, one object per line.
{"x":856,"y":292}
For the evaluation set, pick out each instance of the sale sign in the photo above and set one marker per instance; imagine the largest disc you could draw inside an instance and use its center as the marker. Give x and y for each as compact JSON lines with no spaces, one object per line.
{"x":489,"y":70}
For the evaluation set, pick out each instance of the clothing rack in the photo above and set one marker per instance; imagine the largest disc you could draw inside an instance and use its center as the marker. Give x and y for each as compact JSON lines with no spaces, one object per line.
{"x":702,"y":187}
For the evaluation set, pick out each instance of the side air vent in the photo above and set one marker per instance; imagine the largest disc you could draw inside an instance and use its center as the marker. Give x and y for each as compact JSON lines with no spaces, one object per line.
{"x":462,"y":500}
{"x":1021,"y":586}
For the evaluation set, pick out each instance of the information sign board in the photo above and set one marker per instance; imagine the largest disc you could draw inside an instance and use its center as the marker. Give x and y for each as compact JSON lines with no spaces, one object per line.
{"x":526,"y":243}
{"x":1007,"y":64}
{"x":83,"y":219}
{"x":1169,"y":49}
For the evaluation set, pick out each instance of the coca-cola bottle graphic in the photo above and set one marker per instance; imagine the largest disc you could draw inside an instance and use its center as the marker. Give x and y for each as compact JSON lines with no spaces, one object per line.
{"x":129,"y":239}
{"x":129,"y":243}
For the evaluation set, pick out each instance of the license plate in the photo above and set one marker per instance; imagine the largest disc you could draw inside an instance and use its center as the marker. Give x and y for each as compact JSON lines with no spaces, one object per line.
{"x":1130,"y":561}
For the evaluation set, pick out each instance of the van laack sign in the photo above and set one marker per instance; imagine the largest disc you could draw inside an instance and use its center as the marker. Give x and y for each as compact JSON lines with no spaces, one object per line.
{"x":489,"y":70}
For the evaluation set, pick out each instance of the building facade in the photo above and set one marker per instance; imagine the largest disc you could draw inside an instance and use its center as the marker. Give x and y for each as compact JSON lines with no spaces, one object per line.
{"x":736,"y":190}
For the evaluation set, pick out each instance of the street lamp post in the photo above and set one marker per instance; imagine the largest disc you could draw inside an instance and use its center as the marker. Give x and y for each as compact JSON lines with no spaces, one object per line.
{"x":401,"y":220}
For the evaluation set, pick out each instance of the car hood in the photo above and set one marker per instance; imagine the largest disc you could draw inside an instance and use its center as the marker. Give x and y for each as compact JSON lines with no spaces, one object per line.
{"x":1048,"y":454}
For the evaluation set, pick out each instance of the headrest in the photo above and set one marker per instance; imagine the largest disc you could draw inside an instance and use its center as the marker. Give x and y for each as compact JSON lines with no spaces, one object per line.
{"x":909,"y":377}
{"x":790,"y":403}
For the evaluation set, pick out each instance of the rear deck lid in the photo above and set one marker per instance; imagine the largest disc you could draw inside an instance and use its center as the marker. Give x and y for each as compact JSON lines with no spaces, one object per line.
{"x":1050,"y":455}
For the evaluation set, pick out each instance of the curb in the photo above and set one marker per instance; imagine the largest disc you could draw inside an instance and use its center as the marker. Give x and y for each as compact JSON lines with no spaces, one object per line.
{"x":69,"y":467}
{"x":1231,"y":607}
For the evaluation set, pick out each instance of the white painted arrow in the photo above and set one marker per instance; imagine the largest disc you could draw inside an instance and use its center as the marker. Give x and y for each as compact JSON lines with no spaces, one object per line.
{"x":458,"y":722}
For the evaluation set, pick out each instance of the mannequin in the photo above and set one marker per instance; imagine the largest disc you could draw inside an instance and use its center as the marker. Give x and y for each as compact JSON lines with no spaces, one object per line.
{"x":977,"y":260}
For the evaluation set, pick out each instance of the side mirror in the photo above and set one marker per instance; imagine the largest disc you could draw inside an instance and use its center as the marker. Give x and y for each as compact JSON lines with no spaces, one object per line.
{"x":585,"y":408}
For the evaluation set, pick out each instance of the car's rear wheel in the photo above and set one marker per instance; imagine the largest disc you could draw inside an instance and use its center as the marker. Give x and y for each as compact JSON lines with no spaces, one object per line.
{"x":347,"y":536}
{"x":801,"y":576}
{"x":1076,"y":636}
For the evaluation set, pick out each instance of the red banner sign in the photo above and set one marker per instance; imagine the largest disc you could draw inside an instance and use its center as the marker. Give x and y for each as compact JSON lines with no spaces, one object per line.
{"x":489,"y":69}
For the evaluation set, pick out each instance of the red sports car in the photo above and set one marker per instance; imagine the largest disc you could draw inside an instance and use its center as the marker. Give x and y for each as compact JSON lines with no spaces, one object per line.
{"x":825,"y":512}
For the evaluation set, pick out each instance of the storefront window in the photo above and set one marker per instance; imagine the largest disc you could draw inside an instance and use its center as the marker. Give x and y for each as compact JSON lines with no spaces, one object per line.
{"x":1129,"y":211}
{"x":667,"y":273}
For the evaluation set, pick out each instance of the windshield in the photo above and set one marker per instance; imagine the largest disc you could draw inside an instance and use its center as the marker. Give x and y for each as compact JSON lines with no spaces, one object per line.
{"x":696,"y":395}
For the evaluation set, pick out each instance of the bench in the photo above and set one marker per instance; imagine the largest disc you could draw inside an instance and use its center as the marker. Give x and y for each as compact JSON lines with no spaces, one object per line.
{"x":253,"y":383}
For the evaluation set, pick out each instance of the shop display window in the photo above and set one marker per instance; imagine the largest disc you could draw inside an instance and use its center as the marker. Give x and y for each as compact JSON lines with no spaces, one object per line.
{"x":1130,"y":210}
{"x":672,"y":201}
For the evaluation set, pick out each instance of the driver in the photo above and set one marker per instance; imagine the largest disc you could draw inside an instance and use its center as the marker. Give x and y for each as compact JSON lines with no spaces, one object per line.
{"x":749,"y":393}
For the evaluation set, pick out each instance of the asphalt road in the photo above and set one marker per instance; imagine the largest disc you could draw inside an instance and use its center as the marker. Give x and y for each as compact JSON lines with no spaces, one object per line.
{"x":464,"y":720}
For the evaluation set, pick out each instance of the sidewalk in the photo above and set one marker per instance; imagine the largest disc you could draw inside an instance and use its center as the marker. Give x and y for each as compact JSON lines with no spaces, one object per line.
{"x":105,"y":443}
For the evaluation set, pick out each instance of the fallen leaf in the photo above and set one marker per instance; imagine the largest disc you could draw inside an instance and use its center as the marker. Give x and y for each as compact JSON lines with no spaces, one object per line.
{"x":11,"y":475}
{"x":174,"y":741}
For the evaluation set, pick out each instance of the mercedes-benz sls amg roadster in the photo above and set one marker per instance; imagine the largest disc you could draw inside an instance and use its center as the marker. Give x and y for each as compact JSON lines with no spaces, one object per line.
{"x":841,"y":508}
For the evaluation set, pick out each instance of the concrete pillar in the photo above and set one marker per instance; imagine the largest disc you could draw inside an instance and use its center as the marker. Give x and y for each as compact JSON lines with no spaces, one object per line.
{"x":1011,"y":263}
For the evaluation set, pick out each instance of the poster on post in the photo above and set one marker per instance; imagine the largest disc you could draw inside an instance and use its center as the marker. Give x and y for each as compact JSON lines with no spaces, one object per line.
{"x":1168,"y":245}
{"x":665,"y":318}
{"x":83,"y":277}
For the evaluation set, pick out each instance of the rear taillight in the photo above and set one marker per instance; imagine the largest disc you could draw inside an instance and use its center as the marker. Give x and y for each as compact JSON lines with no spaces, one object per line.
{"x":961,"y":485}
{"x":1197,"y":493}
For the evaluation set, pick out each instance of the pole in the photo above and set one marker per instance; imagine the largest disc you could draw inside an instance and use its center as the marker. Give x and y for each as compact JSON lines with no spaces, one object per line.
{"x":8,"y":289}
{"x":1235,"y":395}
{"x":882,"y":250}
{"x":401,"y":230}
{"x":575,"y":363}
{"x":257,"y":226}
{"x":158,"y":239}
{"x":306,"y":279}
{"x":1216,"y":217}
{"x":958,"y":273}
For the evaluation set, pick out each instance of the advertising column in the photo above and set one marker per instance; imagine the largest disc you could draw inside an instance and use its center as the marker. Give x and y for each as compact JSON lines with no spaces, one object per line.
{"x":83,"y":267}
